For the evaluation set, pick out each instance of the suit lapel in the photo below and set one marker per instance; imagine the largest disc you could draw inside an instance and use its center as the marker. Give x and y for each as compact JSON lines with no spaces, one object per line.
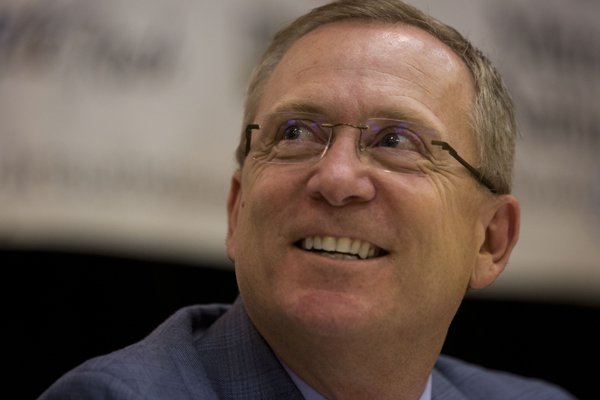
{"x":240,"y":364}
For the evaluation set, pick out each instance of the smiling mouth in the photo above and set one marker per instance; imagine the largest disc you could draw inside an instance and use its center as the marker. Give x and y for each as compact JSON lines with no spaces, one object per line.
{"x":341,"y":248}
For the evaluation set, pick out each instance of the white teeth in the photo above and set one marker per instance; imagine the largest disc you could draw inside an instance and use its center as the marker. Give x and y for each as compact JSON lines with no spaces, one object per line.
{"x":344,"y":247}
{"x":355,"y":246}
{"x":364,"y":250}
{"x":329,"y":243}
{"x":317,"y":243}
{"x":308,"y":243}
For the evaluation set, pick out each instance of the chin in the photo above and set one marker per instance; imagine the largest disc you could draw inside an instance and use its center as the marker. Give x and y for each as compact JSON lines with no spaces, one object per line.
{"x":330,"y":314}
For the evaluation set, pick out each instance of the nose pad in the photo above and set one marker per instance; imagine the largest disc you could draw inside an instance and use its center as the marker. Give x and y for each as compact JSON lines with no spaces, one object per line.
{"x":359,"y":147}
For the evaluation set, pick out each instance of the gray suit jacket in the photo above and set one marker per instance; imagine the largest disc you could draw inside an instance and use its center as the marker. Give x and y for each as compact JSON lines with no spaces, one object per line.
{"x":214,"y":352}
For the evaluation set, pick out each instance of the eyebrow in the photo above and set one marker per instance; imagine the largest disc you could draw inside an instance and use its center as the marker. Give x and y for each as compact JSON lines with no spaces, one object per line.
{"x":294,"y":107}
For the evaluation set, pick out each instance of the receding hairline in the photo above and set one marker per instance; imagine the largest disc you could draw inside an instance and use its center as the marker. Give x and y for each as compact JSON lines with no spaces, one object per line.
{"x":352,"y":22}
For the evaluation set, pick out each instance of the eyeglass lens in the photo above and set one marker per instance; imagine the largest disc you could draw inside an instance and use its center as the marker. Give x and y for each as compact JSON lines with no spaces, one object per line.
{"x":386,"y":143}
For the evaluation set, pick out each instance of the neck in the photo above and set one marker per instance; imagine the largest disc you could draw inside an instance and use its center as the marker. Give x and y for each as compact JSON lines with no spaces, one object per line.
{"x":361,"y":367}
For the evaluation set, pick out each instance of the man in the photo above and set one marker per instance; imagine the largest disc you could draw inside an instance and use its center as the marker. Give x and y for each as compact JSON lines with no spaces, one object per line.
{"x":357,"y":222}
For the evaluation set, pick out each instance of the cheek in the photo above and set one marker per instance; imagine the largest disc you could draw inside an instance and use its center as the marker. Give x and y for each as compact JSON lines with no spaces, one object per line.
{"x":267,"y":199}
{"x":268,"y":207}
{"x":460,"y":242}
{"x":442,"y":226}
{"x":268,"y":194}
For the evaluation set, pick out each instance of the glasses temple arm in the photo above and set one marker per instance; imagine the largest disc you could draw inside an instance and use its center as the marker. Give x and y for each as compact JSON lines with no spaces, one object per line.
{"x":474,"y":171}
{"x":248,"y":134}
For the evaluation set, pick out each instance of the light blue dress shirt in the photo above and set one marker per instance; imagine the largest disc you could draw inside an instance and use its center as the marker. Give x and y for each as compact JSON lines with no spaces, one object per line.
{"x":311,"y":394}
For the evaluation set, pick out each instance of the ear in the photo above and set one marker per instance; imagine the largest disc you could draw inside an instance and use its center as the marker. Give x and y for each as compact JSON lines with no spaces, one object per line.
{"x":501,"y":223}
{"x":233,"y":205}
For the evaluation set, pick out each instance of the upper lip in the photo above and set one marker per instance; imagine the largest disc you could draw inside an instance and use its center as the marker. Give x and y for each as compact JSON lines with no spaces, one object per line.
{"x":360,"y":248}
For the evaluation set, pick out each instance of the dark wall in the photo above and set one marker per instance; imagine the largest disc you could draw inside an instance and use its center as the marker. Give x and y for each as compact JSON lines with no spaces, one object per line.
{"x":59,"y":309}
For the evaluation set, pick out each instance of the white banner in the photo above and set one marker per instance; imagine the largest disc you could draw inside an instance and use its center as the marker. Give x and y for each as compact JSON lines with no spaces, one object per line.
{"x":119,"y":121}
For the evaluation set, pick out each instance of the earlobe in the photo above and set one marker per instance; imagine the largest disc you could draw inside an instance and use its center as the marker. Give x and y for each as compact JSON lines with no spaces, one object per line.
{"x":233,"y":205}
{"x":502,"y":224}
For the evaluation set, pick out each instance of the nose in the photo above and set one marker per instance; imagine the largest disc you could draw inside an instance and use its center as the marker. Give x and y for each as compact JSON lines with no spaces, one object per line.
{"x":340,"y":177}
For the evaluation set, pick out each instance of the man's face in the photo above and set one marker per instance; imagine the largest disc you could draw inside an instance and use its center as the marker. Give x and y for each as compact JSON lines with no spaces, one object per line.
{"x":426,"y":227}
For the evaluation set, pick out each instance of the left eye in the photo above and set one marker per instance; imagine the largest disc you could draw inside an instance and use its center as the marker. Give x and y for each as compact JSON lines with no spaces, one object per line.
{"x":398,"y":138}
{"x":295,"y":130}
{"x":294,"y":133}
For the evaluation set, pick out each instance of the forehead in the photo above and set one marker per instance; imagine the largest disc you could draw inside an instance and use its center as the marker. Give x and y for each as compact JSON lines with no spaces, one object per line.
{"x":353,"y":70}
{"x":371,"y":42}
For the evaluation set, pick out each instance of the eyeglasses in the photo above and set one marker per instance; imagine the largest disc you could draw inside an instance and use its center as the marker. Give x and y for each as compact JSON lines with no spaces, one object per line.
{"x":389,"y":144}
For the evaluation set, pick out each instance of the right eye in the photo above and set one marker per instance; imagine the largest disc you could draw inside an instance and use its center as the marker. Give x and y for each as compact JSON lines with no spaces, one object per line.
{"x":295,"y":130}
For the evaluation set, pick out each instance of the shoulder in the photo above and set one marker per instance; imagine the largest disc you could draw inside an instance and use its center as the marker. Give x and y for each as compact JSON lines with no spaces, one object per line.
{"x":201,"y":352}
{"x":162,"y":365}
{"x":476,"y":382}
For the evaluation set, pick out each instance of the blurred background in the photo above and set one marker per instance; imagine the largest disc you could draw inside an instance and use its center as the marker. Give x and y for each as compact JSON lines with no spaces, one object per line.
{"x":118,"y":124}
